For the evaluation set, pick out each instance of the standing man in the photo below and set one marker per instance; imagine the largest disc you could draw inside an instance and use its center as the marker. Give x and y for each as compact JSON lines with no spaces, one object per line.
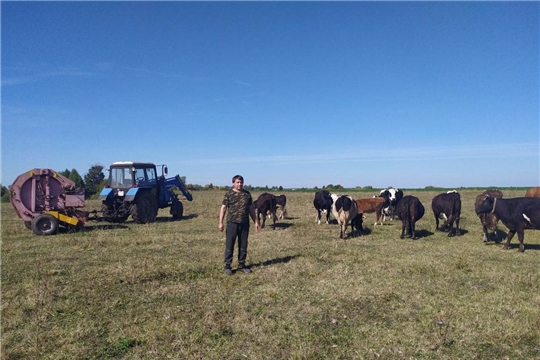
{"x":239,"y":205}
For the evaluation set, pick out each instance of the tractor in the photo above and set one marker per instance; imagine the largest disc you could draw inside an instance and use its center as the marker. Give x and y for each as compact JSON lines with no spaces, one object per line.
{"x":134,"y":188}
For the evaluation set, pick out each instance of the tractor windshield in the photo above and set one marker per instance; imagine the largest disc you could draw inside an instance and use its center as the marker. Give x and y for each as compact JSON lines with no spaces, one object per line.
{"x":121,"y":178}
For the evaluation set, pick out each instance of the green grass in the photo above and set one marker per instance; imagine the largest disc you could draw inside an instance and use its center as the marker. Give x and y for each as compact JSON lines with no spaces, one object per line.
{"x":129,"y":291}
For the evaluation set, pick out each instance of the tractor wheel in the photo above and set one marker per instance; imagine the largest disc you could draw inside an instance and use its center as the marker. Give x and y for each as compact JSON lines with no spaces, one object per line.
{"x":177,"y":210}
{"x":28,"y":225}
{"x":144,"y":210}
{"x":45,"y":224}
{"x":109,"y":214}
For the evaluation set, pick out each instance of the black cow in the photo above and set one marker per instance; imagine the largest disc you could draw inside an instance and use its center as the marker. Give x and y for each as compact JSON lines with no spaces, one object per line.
{"x":489,"y":221}
{"x":357,"y":223}
{"x":447,"y":206}
{"x":281,"y":202}
{"x":392,"y":198}
{"x":409,"y":210}
{"x":517,"y":214}
{"x":266,"y":203}
{"x":323,"y":204}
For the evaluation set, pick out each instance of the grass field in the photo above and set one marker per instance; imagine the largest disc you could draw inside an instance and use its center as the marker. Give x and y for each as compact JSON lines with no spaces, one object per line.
{"x":158,"y":291}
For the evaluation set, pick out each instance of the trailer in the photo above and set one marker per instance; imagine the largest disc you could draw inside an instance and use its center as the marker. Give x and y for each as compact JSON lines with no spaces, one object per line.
{"x":46,"y":200}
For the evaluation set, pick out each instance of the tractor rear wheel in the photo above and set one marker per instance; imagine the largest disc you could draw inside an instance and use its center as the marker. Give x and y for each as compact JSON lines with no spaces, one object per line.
{"x":144,"y":210}
{"x":45,"y":224}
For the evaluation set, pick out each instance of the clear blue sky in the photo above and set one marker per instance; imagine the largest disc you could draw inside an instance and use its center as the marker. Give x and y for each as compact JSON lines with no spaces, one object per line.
{"x":297,"y":94}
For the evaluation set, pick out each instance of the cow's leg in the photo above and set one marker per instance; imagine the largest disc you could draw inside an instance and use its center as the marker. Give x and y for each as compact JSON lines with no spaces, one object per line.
{"x":458,"y":232}
{"x":509,"y":238}
{"x":450,"y":225}
{"x":275,"y":218}
{"x":436,"y":220}
{"x":318,"y":218}
{"x":403,"y":224}
{"x":521,"y":237}
{"x":327,"y":216}
{"x":485,"y":238}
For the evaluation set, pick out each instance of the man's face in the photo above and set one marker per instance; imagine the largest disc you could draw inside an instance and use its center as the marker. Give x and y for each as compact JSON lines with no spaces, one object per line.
{"x":238,"y":184}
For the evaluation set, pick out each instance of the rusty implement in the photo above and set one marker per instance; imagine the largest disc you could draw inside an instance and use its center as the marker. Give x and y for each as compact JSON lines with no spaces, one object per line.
{"x":45,"y":200}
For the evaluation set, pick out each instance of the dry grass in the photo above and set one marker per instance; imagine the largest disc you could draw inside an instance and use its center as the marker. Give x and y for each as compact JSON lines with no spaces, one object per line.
{"x":157,"y":291}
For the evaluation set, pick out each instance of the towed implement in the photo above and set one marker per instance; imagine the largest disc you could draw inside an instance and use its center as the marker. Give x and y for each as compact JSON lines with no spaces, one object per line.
{"x":45,"y":200}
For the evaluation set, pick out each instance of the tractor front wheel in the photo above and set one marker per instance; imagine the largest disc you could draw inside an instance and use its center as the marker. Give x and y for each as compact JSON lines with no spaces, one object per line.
{"x":45,"y":224}
{"x":177,"y":210}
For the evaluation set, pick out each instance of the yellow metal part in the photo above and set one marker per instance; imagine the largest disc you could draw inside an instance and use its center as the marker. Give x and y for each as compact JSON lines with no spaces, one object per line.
{"x":63,"y":218}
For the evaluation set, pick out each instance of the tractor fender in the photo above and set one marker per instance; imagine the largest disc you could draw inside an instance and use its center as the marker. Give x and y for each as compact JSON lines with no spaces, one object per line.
{"x":105,"y":193}
{"x":130,"y":196}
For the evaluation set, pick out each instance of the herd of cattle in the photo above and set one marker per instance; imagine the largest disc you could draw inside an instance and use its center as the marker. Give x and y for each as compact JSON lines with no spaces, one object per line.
{"x":517,"y":214}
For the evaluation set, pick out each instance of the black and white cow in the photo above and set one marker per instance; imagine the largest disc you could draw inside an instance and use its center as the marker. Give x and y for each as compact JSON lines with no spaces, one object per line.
{"x":409,"y":210}
{"x":347,"y":210}
{"x":517,"y":214}
{"x":323,"y":204}
{"x":281,"y":203}
{"x":447,"y":206}
{"x":392,"y":197}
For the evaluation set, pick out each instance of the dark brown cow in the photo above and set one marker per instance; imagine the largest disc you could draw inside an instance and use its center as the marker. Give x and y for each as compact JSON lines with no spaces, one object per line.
{"x":489,"y":221}
{"x":266,"y":203}
{"x":371,"y":205}
{"x":533,"y":192}
{"x":517,"y":214}
{"x":447,"y":206}
{"x":409,"y":210}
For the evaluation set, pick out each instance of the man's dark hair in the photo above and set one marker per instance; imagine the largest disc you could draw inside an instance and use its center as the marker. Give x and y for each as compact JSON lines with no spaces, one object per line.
{"x":235,"y":177}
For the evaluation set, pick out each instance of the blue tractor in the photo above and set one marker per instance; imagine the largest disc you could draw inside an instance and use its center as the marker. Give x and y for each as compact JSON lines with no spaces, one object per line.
{"x":134,"y":188}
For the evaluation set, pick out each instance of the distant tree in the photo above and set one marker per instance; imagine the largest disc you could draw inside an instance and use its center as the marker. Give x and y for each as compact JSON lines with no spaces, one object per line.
{"x":369,"y":187}
{"x":5,"y":194}
{"x":65,"y":173}
{"x":316,"y":188}
{"x":76,"y":178}
{"x":280,"y":188}
{"x":338,"y":187}
{"x":183,"y":180}
{"x":94,"y":180}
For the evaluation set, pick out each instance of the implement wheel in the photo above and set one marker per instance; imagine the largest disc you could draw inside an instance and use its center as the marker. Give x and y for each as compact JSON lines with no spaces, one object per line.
{"x":45,"y":224}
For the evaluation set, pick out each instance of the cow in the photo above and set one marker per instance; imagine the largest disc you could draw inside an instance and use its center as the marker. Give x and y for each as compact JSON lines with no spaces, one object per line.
{"x":517,"y":214}
{"x":533,"y":192}
{"x":346,"y":211}
{"x":392,"y":198}
{"x":489,"y":221}
{"x":371,"y":205}
{"x":409,"y":210}
{"x":266,"y":203}
{"x":447,"y":206}
{"x":281,"y":203}
{"x":323,"y":204}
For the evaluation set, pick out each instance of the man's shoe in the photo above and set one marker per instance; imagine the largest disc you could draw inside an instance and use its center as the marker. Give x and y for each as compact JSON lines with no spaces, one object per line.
{"x":245,"y":270}
{"x":228,"y":271}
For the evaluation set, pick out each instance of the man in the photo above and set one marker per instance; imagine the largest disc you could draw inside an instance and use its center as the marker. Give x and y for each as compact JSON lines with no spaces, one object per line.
{"x":238,"y":205}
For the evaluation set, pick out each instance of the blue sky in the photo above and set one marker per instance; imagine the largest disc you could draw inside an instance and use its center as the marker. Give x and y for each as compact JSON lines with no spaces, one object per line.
{"x":297,"y":94}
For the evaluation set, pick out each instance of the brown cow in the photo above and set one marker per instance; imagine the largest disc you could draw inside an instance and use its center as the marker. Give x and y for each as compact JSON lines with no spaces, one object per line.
{"x":533,"y":192}
{"x":371,"y":205}
{"x":489,"y":221}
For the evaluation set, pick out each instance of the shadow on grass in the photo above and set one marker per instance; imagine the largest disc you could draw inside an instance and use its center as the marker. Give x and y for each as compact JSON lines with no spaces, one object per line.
{"x":282,"y":260}
{"x":104,"y":227}
{"x":163,"y":219}
{"x":515,"y":246}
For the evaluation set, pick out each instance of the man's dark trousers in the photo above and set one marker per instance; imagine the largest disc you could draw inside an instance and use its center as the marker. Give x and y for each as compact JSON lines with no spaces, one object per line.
{"x":240,"y":232}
